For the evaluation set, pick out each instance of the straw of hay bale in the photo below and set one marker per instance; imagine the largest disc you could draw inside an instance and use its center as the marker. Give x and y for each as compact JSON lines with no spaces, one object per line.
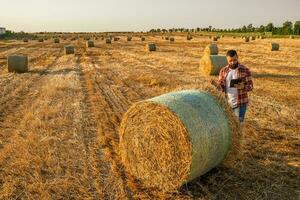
{"x":174,"y":138}
{"x":211,"y":49}
{"x":212,"y":64}
{"x":69,"y":49}
{"x":17,"y":63}
{"x":56,"y":40}
{"x":172,"y":39}
{"x":274,"y":46}
{"x":247,"y":39}
{"x":25,"y":40}
{"x":151,"y":47}
{"x":90,"y":43}
{"x":41,"y":40}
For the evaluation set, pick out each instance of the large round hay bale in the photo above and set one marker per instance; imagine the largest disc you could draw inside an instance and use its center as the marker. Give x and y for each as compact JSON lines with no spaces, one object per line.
{"x":252,"y":37}
{"x":56,"y":40}
{"x":108,"y":41}
{"x":172,"y":39}
{"x":69,"y":49}
{"x":129,"y":38}
{"x":41,"y":40}
{"x":143,"y":39}
{"x":215,"y":38}
{"x":25,"y":40}
{"x":90,"y":43}
{"x":211,"y":49}
{"x":174,"y":138}
{"x":274,"y":46}
{"x":17,"y":63}
{"x":247,"y":39}
{"x":212,"y":64}
{"x":167,"y":38}
{"x":151,"y":47}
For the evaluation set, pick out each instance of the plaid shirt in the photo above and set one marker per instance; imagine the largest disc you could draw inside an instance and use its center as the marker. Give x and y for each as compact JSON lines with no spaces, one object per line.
{"x":244,"y":74}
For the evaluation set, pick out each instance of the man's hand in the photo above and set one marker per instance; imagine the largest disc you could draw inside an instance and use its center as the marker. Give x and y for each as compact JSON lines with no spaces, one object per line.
{"x":240,"y":86}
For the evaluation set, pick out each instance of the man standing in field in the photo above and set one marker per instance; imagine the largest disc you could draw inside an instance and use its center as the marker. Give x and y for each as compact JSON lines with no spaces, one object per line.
{"x":235,"y":81}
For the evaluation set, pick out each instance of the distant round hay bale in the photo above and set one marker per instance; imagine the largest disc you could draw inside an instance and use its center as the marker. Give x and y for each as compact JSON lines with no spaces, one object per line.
{"x":41,"y":40}
{"x":212,"y":64}
{"x":252,"y":37}
{"x":17,"y":63}
{"x":209,"y":37}
{"x":90,"y":43}
{"x":233,"y":37}
{"x":247,"y":39}
{"x":174,"y":138}
{"x":211,"y":49}
{"x":189,"y":37}
{"x":108,"y":41}
{"x":56,"y":40}
{"x":25,"y":40}
{"x":151,"y":47}
{"x":129,"y":38}
{"x":167,"y":38}
{"x":172,"y":39}
{"x":143,"y":39}
{"x":215,"y":38}
{"x":291,"y":37}
{"x":274,"y":46}
{"x":116,"y":39}
{"x":69,"y":49}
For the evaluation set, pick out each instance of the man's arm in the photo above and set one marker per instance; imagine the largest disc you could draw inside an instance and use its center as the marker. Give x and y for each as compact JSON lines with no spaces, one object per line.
{"x":249,"y":82}
{"x":221,"y":82}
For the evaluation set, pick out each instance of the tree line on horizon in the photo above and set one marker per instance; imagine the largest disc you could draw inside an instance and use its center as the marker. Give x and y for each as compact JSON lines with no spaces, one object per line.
{"x":287,"y":28}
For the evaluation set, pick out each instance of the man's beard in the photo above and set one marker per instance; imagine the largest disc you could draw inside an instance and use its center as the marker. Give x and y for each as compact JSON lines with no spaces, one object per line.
{"x":234,"y":66}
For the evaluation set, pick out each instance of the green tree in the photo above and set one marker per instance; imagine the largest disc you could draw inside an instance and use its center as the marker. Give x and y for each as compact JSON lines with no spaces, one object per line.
{"x":297,"y":28}
{"x":244,"y":29}
{"x":287,"y":28}
{"x":261,"y":28}
{"x":269,"y":27}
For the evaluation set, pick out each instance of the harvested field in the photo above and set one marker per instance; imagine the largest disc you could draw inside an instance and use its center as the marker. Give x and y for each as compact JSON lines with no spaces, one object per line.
{"x":59,"y":122}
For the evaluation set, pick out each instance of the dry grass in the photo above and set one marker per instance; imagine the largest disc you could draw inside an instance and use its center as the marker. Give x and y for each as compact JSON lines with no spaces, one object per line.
{"x":59,"y":128}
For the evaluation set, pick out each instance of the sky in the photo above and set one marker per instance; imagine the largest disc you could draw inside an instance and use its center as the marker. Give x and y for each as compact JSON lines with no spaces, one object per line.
{"x":142,"y":15}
